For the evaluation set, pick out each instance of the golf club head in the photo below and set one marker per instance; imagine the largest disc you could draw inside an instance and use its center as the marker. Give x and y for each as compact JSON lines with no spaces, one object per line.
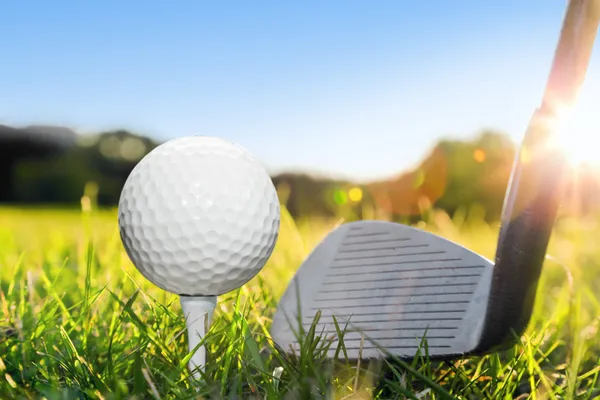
{"x":397,"y":288}
{"x":401,"y":288}
{"x":392,"y":283}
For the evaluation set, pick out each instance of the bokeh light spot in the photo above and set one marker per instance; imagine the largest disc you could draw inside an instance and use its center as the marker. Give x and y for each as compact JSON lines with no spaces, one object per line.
{"x":479,"y":155}
{"x":340,"y":197}
{"x":132,"y":149}
{"x":355,"y":194}
{"x":110,"y":147}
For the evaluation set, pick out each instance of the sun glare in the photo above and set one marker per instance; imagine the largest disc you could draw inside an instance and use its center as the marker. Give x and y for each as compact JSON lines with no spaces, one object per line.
{"x":579,"y":135}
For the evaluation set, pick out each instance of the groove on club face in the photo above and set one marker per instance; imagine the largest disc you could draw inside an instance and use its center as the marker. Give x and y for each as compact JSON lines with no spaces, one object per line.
{"x":392,"y":283}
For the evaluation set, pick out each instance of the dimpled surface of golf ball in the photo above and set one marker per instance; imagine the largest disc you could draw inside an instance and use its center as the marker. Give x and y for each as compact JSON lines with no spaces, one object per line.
{"x":199,"y":216}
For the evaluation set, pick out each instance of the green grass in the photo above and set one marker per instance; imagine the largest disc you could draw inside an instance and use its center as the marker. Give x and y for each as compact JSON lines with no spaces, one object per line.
{"x":78,"y":321}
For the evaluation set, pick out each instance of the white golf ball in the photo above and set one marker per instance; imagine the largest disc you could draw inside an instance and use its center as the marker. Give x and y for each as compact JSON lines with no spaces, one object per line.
{"x":199,"y":216}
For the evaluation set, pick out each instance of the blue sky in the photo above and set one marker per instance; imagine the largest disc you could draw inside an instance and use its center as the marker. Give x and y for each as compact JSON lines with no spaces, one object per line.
{"x":354,"y":88}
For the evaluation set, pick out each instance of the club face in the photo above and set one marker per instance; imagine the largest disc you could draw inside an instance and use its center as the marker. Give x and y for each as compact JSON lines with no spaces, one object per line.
{"x":392,"y":283}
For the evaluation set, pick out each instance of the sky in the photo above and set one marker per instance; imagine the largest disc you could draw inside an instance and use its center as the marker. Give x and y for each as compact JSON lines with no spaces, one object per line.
{"x":358,"y":89}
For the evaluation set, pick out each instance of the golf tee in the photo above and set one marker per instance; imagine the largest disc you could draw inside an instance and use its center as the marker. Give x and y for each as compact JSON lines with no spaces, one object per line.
{"x":198,"y":312}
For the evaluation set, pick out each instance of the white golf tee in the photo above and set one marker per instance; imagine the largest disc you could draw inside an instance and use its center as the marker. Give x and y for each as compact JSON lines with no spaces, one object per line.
{"x":198,"y":311}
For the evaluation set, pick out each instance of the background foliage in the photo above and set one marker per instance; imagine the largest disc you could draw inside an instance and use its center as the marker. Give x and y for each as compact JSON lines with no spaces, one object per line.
{"x":50,"y":165}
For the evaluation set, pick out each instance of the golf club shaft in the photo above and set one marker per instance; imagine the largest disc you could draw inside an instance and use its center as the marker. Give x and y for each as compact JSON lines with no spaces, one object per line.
{"x":567,"y":73}
{"x":537,"y":181}
{"x":572,"y":54}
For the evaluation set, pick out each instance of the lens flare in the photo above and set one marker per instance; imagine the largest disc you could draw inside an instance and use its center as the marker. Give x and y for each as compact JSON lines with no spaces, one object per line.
{"x":579,"y":134}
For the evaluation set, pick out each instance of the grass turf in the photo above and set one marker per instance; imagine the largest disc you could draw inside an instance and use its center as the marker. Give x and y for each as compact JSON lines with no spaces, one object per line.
{"x":78,"y":321}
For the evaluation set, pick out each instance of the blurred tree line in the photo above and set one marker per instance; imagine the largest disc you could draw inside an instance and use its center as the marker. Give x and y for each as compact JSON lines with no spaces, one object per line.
{"x":53,"y":165}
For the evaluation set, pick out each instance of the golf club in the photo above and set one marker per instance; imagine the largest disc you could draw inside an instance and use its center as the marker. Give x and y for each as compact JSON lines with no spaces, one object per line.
{"x":395,"y":286}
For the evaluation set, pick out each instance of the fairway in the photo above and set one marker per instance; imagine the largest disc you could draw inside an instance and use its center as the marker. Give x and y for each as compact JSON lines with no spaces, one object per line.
{"x":79,"y":321}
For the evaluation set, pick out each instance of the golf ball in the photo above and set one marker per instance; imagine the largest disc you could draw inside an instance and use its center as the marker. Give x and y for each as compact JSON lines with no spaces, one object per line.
{"x":199,"y":216}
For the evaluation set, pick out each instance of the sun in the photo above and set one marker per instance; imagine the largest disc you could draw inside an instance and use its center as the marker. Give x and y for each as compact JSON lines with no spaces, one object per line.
{"x":579,"y":134}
